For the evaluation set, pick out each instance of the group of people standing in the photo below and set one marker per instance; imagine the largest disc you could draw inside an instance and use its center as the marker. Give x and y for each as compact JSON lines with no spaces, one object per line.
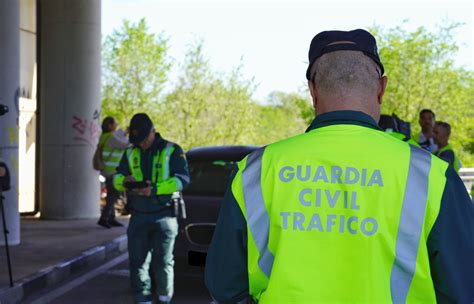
{"x":407,"y":235}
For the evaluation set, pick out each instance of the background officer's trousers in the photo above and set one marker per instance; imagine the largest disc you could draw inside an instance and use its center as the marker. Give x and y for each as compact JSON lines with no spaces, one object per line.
{"x":150,"y":242}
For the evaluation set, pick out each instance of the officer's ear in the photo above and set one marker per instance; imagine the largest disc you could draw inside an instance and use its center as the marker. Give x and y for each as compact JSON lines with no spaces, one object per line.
{"x":382,"y":86}
{"x":313,"y":92}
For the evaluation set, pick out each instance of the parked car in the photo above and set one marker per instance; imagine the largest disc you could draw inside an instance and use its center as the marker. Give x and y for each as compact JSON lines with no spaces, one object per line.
{"x":210,"y":169}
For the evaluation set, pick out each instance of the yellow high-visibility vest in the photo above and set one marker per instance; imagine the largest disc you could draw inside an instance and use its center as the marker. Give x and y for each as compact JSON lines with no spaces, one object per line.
{"x":340,"y":214}
{"x":456,"y":161}
{"x":160,"y":172}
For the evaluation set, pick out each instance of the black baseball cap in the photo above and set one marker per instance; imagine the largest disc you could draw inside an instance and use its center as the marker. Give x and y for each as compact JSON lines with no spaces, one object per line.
{"x":331,"y":41}
{"x":140,"y":127}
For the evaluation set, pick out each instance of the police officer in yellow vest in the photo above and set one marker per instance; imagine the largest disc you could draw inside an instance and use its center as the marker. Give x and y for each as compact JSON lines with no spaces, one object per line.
{"x":151,"y":172}
{"x":344,"y":213}
{"x":113,"y":142}
{"x":441,"y":133}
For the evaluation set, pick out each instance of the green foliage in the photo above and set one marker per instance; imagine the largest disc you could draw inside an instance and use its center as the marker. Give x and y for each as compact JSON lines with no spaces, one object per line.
{"x":206,"y":107}
{"x":421,"y":75}
{"x":135,"y":67}
{"x":284,"y":115}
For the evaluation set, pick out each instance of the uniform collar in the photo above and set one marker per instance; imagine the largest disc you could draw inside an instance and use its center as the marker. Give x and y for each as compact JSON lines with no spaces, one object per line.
{"x":343,"y":118}
{"x":159,"y":142}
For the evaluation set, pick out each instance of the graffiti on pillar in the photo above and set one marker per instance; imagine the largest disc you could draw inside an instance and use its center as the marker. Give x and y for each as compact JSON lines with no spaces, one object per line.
{"x":96,"y":115}
{"x":86,"y":130}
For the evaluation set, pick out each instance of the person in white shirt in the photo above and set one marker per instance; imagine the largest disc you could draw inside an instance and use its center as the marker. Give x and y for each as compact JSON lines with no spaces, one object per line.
{"x":427,"y":122}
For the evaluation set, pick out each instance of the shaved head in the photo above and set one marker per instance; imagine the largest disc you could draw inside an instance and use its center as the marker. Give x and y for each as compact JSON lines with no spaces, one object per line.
{"x":347,"y":80}
{"x":343,"y":73}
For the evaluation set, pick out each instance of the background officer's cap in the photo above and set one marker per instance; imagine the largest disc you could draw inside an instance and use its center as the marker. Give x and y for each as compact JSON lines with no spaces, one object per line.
{"x":330,"y":41}
{"x":140,"y":127}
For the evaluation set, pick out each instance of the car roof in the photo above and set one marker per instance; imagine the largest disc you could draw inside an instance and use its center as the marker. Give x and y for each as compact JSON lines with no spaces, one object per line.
{"x":232,"y":153}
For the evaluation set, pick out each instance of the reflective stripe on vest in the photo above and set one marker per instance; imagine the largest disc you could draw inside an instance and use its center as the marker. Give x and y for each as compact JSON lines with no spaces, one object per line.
{"x":411,"y":224}
{"x":110,"y":156}
{"x":134,"y":163}
{"x":257,"y":216}
{"x":165,"y":162}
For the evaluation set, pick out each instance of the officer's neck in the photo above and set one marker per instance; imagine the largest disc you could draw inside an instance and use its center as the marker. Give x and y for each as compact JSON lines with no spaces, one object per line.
{"x":348,"y":101}
{"x":342,"y":107}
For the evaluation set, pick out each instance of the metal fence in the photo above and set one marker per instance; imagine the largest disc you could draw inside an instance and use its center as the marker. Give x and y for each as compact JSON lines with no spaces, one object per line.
{"x":467,"y":176}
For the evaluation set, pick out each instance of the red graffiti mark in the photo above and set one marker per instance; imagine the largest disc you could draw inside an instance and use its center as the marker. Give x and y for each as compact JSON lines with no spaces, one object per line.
{"x":86,"y":130}
{"x":79,"y":124}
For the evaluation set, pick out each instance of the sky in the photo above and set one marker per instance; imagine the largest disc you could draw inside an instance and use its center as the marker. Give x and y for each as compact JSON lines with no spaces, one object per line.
{"x":271,"y":38}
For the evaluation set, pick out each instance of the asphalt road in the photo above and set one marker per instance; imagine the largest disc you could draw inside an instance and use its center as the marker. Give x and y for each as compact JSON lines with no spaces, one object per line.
{"x":110,"y":284}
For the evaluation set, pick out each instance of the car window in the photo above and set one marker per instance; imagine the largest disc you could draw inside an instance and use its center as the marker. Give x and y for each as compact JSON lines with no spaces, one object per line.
{"x":209,"y":177}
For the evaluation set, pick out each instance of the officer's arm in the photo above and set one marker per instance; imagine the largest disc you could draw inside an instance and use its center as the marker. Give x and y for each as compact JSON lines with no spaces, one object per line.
{"x":123,"y":170}
{"x":226,"y":274}
{"x":179,"y":174}
{"x":451,"y":244}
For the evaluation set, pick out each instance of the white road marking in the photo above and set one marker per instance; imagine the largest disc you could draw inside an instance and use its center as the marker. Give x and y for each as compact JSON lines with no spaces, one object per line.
{"x":50,"y":296}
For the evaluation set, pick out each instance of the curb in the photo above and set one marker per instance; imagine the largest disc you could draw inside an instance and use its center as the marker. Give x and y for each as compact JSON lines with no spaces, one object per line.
{"x":50,"y":276}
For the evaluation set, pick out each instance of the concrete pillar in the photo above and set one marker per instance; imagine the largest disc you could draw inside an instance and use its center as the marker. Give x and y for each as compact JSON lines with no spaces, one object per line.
{"x":9,"y":96}
{"x":69,"y":106}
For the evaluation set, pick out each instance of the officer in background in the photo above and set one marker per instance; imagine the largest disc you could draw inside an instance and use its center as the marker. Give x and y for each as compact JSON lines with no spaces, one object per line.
{"x":389,"y":124}
{"x":113,"y":142}
{"x":345,"y":212}
{"x":151,"y":171}
{"x":426,"y":136}
{"x":442,"y":131}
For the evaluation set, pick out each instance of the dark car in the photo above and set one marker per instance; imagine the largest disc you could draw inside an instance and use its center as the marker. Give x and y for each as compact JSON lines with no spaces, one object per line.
{"x":210,"y":169}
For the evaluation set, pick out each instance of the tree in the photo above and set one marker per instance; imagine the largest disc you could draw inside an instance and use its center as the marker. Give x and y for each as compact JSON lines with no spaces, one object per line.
{"x":284,"y":115}
{"x":207,"y":107}
{"x":422,"y":74}
{"x":135,"y":67}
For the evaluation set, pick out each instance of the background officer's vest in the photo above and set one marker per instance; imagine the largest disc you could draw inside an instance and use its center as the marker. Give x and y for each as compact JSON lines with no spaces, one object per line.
{"x":161,"y":164}
{"x":110,"y":156}
{"x":340,"y":214}
{"x":456,"y":162}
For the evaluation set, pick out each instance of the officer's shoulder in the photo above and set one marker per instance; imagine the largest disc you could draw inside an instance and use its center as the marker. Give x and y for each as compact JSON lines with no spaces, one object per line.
{"x":441,"y":165}
{"x":280,"y":143}
{"x":448,"y":153}
{"x":130,"y":148}
{"x":395,"y":142}
{"x":173,"y":144}
{"x":288,"y":141}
